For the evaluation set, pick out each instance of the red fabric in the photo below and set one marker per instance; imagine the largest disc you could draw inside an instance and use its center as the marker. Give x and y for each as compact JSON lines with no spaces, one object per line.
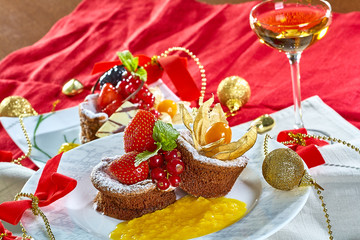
{"x":309,"y":153}
{"x":219,"y":35}
{"x":51,"y":187}
{"x":8,"y":234}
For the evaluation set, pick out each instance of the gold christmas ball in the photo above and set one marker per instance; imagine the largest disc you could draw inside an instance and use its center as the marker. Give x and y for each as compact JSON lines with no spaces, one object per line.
{"x":283,"y":169}
{"x":14,"y":106}
{"x":72,"y":87}
{"x":233,"y":92}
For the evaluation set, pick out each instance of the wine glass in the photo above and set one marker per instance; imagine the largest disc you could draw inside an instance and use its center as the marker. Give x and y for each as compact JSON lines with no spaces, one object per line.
{"x":291,"y":26}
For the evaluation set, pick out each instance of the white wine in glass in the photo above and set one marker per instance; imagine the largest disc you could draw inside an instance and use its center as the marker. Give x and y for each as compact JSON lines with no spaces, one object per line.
{"x":291,"y":26}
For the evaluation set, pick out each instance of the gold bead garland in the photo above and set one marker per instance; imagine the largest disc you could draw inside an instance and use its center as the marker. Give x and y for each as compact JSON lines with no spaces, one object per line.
{"x":307,"y":179}
{"x":299,"y":139}
{"x":36,"y":211}
{"x":18,"y":160}
{"x":196,"y":60}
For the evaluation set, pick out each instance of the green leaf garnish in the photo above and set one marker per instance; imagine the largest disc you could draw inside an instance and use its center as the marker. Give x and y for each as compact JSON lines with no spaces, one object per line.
{"x":131,"y":63}
{"x":165,"y":134}
{"x":145,"y":155}
{"x":141,"y":73}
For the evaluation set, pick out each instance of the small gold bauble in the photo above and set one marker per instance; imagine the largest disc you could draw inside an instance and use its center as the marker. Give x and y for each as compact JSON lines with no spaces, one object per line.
{"x":263,"y":123}
{"x":233,"y":92}
{"x":14,"y":106}
{"x":72,"y":87}
{"x":283,"y":169}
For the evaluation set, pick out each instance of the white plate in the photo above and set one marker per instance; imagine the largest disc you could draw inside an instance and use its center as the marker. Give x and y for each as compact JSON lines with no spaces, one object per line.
{"x":73,"y":217}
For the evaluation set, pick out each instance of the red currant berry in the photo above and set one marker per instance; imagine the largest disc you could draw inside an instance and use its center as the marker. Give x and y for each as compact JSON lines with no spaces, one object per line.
{"x":135,"y":81}
{"x":163,"y":183}
{"x":157,"y":173}
{"x":175,"y":167}
{"x":129,"y":89}
{"x":155,"y":112}
{"x":144,"y":106}
{"x":174,"y":180}
{"x":135,"y":99}
{"x":173,"y":154}
{"x":156,"y":161}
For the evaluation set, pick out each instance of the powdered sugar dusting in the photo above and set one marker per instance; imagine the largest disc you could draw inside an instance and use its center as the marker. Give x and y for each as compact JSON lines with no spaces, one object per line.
{"x":186,"y":140}
{"x":88,"y":107}
{"x":104,"y":181}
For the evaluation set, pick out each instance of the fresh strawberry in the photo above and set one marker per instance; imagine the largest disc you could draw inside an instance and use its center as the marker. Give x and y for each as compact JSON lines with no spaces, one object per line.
{"x":107,"y":94}
{"x":125,"y":171}
{"x":138,"y":135}
{"x":113,"y":106}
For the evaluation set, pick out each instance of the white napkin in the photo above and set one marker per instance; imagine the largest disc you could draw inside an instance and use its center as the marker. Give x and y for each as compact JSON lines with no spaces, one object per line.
{"x":12,"y":179}
{"x":341,"y":183}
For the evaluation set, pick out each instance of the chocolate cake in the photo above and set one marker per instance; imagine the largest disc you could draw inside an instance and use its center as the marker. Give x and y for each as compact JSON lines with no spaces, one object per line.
{"x":204,"y":176}
{"x":90,"y":119}
{"x":126,"y":202}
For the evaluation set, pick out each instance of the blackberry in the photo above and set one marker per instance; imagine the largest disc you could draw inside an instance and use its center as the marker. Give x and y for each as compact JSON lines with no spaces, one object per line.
{"x":113,"y":75}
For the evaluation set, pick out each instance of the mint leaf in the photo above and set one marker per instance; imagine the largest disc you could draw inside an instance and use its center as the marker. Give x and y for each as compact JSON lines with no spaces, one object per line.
{"x":129,"y":62}
{"x":145,"y":155}
{"x":166,"y":135}
{"x":141,"y":73}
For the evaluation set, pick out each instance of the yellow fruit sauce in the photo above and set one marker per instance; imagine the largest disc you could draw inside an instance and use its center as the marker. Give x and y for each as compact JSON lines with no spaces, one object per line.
{"x":187,"y":218}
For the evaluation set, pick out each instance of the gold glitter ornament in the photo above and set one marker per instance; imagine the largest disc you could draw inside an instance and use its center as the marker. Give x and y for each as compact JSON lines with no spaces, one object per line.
{"x":72,"y":87}
{"x":14,"y":106}
{"x":233,"y":92}
{"x":284,"y":169}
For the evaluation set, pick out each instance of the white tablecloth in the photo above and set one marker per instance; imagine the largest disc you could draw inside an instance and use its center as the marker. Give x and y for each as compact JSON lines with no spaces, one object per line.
{"x":341,"y":183}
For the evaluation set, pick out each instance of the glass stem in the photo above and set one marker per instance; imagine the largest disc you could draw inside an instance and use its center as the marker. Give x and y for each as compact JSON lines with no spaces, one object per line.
{"x":294,"y":59}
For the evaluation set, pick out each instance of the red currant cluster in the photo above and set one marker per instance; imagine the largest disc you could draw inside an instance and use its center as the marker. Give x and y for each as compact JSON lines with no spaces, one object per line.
{"x":165,"y":169}
{"x":113,"y":93}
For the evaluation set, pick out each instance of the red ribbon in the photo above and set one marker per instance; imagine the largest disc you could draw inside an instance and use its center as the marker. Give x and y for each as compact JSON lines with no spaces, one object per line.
{"x":7,"y":235}
{"x":174,"y":66}
{"x":309,"y":153}
{"x":5,"y":156}
{"x":51,"y":187}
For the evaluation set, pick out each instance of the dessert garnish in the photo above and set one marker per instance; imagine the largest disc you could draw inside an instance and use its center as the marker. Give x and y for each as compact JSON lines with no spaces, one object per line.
{"x":187,"y":218}
{"x":122,"y":83}
{"x":167,"y":106}
{"x":125,"y":171}
{"x":118,"y":120}
{"x":150,"y":142}
{"x":215,"y":144}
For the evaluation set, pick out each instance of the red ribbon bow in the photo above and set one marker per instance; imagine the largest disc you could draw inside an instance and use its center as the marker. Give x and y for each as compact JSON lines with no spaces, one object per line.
{"x":7,"y":235}
{"x":305,"y":146}
{"x":51,"y":187}
{"x":174,"y":66}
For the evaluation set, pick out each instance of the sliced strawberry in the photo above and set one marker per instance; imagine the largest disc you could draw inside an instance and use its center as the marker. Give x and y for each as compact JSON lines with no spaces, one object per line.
{"x":107,"y":95}
{"x":125,"y":171}
{"x":138,"y":134}
{"x":113,"y":106}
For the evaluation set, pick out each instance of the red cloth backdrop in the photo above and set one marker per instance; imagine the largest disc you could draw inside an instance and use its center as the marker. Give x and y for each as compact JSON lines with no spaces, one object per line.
{"x":219,"y":35}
